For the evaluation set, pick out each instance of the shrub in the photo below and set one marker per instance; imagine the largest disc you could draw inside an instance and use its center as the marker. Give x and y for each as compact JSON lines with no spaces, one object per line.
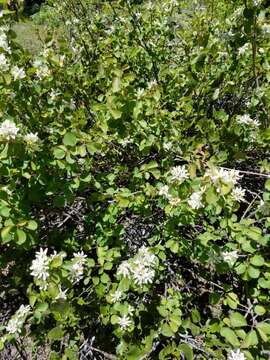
{"x":134,"y":211}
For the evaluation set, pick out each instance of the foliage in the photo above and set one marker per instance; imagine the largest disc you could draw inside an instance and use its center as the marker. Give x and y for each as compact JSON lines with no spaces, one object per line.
{"x":126,"y":227}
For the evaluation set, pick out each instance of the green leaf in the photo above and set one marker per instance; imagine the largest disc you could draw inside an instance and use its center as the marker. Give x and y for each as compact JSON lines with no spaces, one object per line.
{"x":32,"y":225}
{"x":59,"y":153}
{"x":265,"y":284}
{"x":166,"y":330}
{"x":259,"y":310}
{"x":237,"y":320}
{"x":41,"y":307}
{"x":116,"y":84}
{"x":114,"y":319}
{"x":230,"y":336}
{"x":116,"y":114}
{"x":265,"y":327}
{"x":211,"y":196}
{"x":257,"y":260}
{"x":5,"y":233}
{"x":254,"y":233}
{"x":267,"y":184}
{"x":250,"y":340}
{"x":232,"y":300}
{"x":57,"y":333}
{"x":253,"y":272}
{"x":21,"y":236}
{"x":5,"y":211}
{"x":70,"y":139}
{"x":187,"y":351}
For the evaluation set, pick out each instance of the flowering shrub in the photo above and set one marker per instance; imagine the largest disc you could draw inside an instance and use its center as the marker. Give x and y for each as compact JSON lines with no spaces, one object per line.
{"x":134,"y":194}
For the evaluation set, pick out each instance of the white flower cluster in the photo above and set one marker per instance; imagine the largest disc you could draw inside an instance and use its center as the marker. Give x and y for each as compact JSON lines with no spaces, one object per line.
{"x":8,"y":130}
{"x":230,"y":257}
{"x":116,"y":296}
{"x":141,"y":268}
{"x":77,"y":268}
{"x":15,"y":324}
{"x":238,"y":194}
{"x":40,"y":268}
{"x":247,"y":120}
{"x":195,"y":200}
{"x":31,"y":138}
{"x":179,"y":173}
{"x":124,"y":322}
{"x":18,"y":73}
{"x":4,"y":41}
{"x":62,"y":294}
{"x":164,"y":191}
{"x":243,"y":49}
{"x":236,"y":355}
{"x":4,"y":63}
{"x":266,"y":29}
{"x":221,"y":175}
{"x":230,"y":177}
{"x":42,"y":69}
{"x":174,"y":201}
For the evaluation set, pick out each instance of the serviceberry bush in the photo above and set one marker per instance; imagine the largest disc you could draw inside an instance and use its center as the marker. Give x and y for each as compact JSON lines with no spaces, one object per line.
{"x":134,"y":192}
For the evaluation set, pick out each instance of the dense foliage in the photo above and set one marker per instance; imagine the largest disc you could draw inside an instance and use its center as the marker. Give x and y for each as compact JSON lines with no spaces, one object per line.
{"x":134,"y":200}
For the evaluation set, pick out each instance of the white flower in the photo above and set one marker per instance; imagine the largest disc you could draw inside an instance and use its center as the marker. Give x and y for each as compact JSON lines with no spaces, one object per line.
{"x":42,"y":71}
{"x":17,"y":73}
{"x":168,"y":145}
{"x":179,"y":173}
{"x":217,"y":175}
{"x":53,"y":94}
{"x":8,"y":130}
{"x":62,"y":60}
{"x":116,"y":296}
{"x":130,"y":310}
{"x":195,"y":200}
{"x":174,"y":201}
{"x":238,"y":194}
{"x":140,"y":93}
{"x":76,"y":271}
{"x":124,"y":322}
{"x":76,"y":21}
{"x":31,"y":138}
{"x":23,"y":310}
{"x":124,"y":269}
{"x":40,"y":266}
{"x":164,"y":191}
{"x":143,"y":274}
{"x":37,"y":63}
{"x":61,"y":294}
{"x":230,"y":257}
{"x":4,"y":64}
{"x":262,"y":203}
{"x":14,"y":326}
{"x":77,"y":268}
{"x":266,"y":29}
{"x":236,"y":355}
{"x":152,"y":84}
{"x":247,"y":120}
{"x":125,"y":141}
{"x":146,"y":257}
{"x":80,"y":257}
{"x":230,"y":176}
{"x":243,"y":49}
{"x":4,"y":41}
